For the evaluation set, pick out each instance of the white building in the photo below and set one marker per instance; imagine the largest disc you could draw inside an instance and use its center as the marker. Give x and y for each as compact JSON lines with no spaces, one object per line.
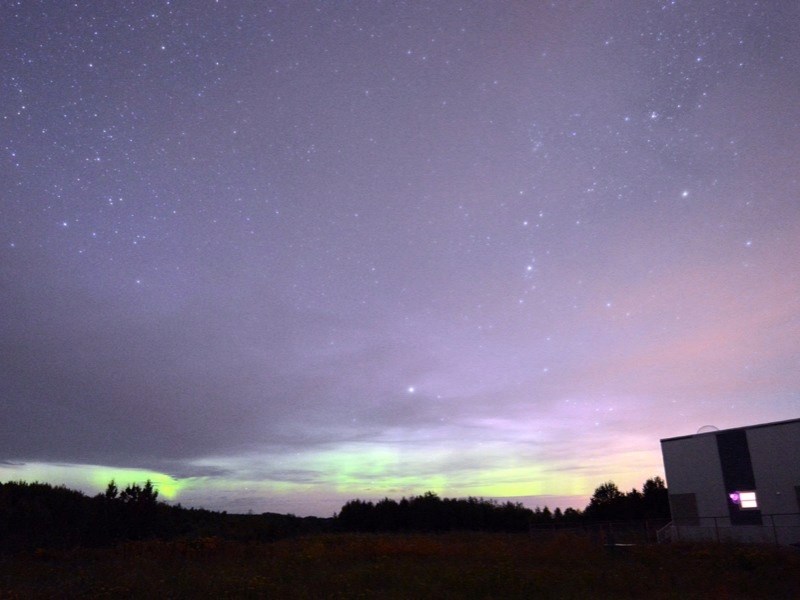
{"x":739,"y":484}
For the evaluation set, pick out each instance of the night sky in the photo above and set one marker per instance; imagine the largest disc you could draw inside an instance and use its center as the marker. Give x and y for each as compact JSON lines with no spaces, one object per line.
{"x":277,"y":255}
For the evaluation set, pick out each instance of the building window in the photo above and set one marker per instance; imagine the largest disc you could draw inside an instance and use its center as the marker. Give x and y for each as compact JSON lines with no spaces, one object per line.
{"x":744,"y":499}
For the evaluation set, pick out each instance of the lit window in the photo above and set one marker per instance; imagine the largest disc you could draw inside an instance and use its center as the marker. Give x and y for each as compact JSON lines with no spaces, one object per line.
{"x":744,"y":499}
{"x":748,"y":500}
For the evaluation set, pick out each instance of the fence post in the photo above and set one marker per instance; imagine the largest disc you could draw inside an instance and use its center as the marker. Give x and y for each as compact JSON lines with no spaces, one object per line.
{"x":774,"y":529}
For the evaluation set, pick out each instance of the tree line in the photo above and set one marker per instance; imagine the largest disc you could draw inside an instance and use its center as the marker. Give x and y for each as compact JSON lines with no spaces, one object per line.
{"x":429,"y":512}
{"x":39,"y":515}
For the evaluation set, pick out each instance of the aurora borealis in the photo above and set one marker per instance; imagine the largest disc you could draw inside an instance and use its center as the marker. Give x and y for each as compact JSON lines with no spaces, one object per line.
{"x":278,"y":255}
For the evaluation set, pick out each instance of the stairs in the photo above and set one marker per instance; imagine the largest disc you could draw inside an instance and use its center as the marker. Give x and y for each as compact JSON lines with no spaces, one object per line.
{"x":664,"y":535}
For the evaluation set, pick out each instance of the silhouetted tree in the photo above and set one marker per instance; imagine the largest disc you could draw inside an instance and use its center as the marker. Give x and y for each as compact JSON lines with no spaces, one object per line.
{"x":112,"y":491}
{"x":387,"y":515}
{"x":606,"y":504}
{"x":145,"y":496}
{"x":429,"y":512}
{"x":633,"y":506}
{"x":655,"y":499}
{"x":357,"y":515}
{"x":572,"y":515}
{"x":610,"y":504}
{"x":38,"y":515}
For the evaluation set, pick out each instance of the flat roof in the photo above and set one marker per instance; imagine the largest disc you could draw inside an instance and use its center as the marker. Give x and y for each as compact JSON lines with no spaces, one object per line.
{"x":691,"y":435}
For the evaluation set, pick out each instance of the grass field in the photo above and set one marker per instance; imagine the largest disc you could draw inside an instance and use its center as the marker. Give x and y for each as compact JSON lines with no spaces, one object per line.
{"x":403,"y":566}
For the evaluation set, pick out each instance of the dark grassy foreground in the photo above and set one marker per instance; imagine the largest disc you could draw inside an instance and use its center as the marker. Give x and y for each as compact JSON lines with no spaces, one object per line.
{"x":403,"y":566}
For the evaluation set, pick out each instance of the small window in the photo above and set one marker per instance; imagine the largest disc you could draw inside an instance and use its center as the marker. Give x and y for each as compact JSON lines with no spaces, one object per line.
{"x":748,"y":500}
{"x":744,"y":499}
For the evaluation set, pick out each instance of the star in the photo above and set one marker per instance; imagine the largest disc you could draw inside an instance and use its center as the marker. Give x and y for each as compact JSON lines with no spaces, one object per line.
{"x":315,"y":206}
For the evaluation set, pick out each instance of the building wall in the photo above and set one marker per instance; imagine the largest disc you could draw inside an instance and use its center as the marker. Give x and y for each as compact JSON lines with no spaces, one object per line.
{"x":764,"y":458}
{"x":692,"y":466}
{"x":775,"y":453}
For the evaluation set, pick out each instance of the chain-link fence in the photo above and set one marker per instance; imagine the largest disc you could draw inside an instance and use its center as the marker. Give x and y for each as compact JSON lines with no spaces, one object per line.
{"x":616,"y":533}
{"x":780,"y":529}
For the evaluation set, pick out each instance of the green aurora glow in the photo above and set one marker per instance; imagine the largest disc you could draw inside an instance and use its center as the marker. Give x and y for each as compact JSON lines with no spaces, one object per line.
{"x":366,"y":471}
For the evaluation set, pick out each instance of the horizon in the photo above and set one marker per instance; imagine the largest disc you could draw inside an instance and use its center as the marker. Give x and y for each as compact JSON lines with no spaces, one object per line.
{"x":168,"y":495}
{"x":276,"y":255}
